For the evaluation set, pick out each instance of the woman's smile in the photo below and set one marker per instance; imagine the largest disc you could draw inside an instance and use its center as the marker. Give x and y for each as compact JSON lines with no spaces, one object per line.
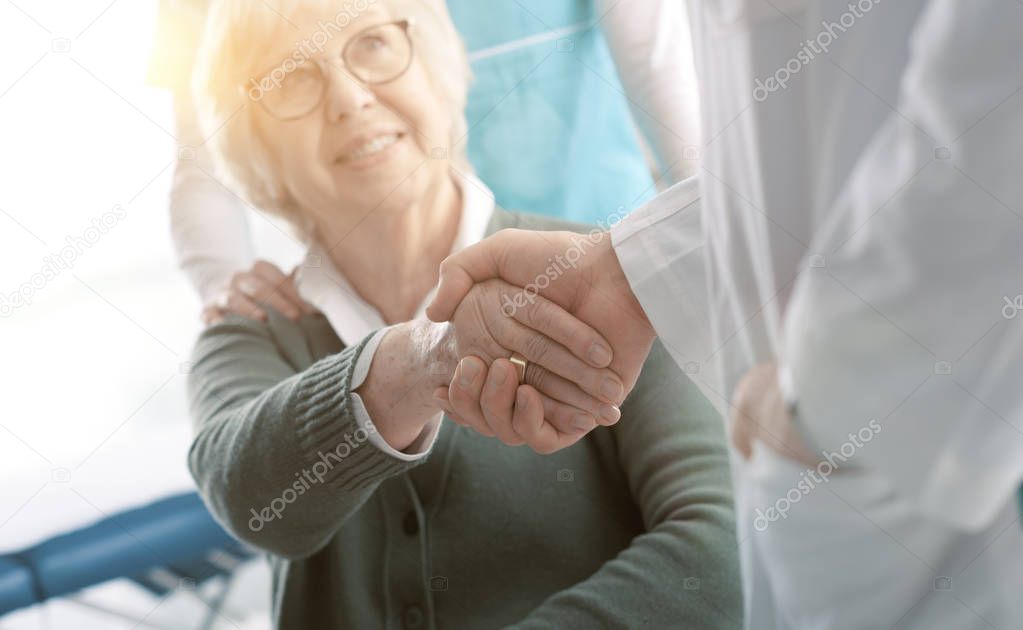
{"x":369,"y":152}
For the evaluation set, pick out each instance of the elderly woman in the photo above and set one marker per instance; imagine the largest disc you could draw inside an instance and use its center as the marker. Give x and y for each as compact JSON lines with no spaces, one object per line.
{"x":318,"y":438}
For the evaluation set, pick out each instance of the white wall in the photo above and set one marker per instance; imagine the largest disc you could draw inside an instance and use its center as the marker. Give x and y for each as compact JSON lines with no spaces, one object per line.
{"x":92,"y":403}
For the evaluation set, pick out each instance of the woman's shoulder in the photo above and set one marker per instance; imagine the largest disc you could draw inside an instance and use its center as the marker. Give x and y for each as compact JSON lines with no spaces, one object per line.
{"x":299,"y":342}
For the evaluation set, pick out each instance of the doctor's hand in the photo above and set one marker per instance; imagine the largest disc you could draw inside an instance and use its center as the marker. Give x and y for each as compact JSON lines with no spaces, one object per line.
{"x":578,"y":272}
{"x":759,"y":413}
{"x":566,"y":390}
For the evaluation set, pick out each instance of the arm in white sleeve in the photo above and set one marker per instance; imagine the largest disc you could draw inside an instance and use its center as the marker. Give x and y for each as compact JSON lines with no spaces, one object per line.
{"x":652,"y":48}
{"x":661,"y":249}
{"x":208,"y":223}
{"x":905,"y":324}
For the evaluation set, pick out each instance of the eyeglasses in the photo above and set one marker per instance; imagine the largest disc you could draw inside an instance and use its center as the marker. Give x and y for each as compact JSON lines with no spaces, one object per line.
{"x":374,"y":56}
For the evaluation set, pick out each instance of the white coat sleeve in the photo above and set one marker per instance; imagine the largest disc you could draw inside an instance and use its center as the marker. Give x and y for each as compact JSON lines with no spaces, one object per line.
{"x":907,"y":322}
{"x":652,"y":48}
{"x":661,"y":248}
{"x":208,"y":223}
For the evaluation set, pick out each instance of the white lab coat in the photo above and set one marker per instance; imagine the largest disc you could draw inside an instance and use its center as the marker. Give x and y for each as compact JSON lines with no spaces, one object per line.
{"x":861,"y":226}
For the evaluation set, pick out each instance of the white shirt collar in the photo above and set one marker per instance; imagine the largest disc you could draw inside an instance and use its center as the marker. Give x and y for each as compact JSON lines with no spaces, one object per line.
{"x":352,"y":318}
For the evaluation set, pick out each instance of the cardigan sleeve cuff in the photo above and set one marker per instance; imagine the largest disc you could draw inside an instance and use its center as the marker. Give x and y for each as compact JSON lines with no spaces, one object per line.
{"x":422,"y":445}
{"x":340,"y":448}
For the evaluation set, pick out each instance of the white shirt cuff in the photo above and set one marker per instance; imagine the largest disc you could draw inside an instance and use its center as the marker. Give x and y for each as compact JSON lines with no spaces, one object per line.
{"x":660,"y":247}
{"x":422,"y":445}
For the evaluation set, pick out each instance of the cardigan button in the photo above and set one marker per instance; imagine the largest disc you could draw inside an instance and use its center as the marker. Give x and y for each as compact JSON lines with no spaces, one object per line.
{"x":413,"y":617}
{"x":410,"y":524}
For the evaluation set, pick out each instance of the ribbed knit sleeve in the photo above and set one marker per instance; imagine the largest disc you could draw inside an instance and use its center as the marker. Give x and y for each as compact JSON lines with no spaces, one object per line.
{"x":278,"y":455}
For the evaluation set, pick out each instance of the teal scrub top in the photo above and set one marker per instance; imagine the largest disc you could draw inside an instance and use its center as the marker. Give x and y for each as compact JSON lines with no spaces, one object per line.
{"x":550,"y":131}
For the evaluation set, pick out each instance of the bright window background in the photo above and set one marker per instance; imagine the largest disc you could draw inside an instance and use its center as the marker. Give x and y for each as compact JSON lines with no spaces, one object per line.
{"x":94,"y":416}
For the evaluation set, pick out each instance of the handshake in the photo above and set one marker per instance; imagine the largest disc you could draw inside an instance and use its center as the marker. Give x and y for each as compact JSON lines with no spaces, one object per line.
{"x":571,"y":320}
{"x":556,"y":302}
{"x":560,"y":306}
